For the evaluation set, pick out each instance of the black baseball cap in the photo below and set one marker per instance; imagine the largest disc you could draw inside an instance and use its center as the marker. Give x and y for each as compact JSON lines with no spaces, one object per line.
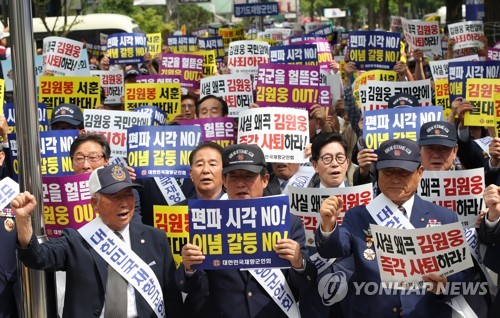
{"x":398,"y":153}
{"x":243,"y":156}
{"x":68,"y":113}
{"x":110,"y":179}
{"x":440,"y":133}
{"x":402,"y":100}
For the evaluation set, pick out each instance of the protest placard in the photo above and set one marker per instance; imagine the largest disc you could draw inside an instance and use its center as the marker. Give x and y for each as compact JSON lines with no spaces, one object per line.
{"x":188,"y":66}
{"x":236,"y":234}
{"x":282,"y":133}
{"x":493,"y":54}
{"x":305,"y":203}
{"x":10,"y":115}
{"x":439,"y":69}
{"x":166,"y":96}
{"x":460,"y":191}
{"x":480,"y":92}
{"x":54,"y":152}
{"x":112,"y":82}
{"x":405,"y":255}
{"x":158,"y":78}
{"x":182,"y":43}
{"x":83,"y":91}
{"x":373,"y":75}
{"x":220,"y":130}
{"x":154,"y":43}
{"x":161,"y":151}
{"x":386,"y":124}
{"x":256,"y":9}
{"x":422,"y":35}
{"x":285,"y":85}
{"x":158,"y":116}
{"x":66,"y":203}
{"x":230,"y":35}
{"x":374,"y":49}
{"x":61,"y":55}
{"x":245,"y":56}
{"x":113,"y":124}
{"x":215,"y":43}
{"x":301,"y":54}
{"x":126,"y":48}
{"x":466,"y":34}
{"x":375,"y":95}
{"x":174,"y":221}
{"x":459,"y":72}
{"x":235,"y":89}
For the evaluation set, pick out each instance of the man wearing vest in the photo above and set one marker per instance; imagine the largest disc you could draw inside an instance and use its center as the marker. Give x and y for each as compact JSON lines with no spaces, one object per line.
{"x":399,"y":173}
{"x":111,"y":264}
{"x":235,"y":293}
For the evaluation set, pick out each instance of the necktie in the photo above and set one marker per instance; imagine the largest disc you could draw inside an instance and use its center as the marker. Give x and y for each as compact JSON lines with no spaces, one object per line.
{"x":116,"y":293}
{"x":403,"y":210}
{"x":283,"y":185}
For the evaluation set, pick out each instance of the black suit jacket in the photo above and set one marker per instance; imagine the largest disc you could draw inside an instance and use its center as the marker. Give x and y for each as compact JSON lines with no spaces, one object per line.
{"x":87,"y":272}
{"x":273,"y":186}
{"x":491,"y":237}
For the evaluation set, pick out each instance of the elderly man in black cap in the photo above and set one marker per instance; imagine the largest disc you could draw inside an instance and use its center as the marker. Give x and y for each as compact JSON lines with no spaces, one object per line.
{"x":110,"y":261}
{"x":66,"y":116}
{"x":438,"y":147}
{"x":399,"y":173}
{"x":235,"y":293}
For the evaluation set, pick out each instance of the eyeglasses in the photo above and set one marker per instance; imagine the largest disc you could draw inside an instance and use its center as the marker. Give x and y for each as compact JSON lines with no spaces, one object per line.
{"x":91,"y":158}
{"x":328,"y":158}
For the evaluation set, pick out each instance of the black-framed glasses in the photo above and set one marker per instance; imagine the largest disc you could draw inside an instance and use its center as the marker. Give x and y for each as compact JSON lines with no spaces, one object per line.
{"x":91,"y":158}
{"x":328,"y":158}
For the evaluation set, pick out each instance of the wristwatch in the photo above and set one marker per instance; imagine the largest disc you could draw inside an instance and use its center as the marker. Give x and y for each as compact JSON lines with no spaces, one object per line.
{"x":303,"y":264}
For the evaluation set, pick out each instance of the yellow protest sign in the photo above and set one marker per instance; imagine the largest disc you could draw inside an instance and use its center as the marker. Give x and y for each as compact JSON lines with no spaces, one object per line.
{"x":443,"y":95}
{"x":480,"y":92}
{"x":209,"y":62}
{"x":154,"y":43}
{"x":174,"y":221}
{"x":166,"y":96}
{"x":83,"y":91}
{"x":231,"y":34}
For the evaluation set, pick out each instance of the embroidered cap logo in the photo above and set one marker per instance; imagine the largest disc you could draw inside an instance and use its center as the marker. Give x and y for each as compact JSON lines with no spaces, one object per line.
{"x":118,"y":173}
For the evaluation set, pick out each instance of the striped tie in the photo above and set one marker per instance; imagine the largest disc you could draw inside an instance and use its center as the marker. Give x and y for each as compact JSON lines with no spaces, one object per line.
{"x":116,"y":293}
{"x":403,"y":210}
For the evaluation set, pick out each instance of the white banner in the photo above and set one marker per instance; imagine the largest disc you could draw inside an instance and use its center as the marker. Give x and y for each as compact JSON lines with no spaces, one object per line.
{"x":113,"y":124}
{"x":282,"y":133}
{"x":460,"y":191}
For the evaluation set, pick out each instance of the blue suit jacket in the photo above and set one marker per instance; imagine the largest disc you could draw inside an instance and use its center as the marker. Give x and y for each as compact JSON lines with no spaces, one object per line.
{"x":350,"y":239}
{"x":235,"y":293}
{"x":87,"y":272}
{"x":9,"y":283}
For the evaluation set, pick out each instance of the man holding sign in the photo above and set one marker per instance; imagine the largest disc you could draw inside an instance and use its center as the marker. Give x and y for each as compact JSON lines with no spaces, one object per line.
{"x":236,"y":293}
{"x":399,"y":173}
{"x":135,"y":257}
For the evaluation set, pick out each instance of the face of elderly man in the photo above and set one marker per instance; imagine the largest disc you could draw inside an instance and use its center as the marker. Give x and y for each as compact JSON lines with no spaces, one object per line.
{"x":210,"y":108}
{"x":437,"y":157}
{"x":116,"y":210}
{"x":206,"y":172}
{"x":244,"y":184}
{"x":398,"y":184}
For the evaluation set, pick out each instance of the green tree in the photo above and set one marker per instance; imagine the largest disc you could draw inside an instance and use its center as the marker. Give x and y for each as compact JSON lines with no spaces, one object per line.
{"x":151,"y":21}
{"x":125,"y":7}
{"x":193,"y":16}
